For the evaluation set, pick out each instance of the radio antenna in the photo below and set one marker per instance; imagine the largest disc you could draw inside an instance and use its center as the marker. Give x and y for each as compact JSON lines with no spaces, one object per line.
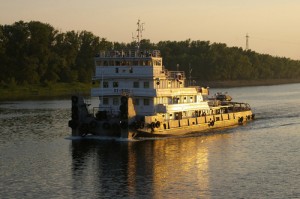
{"x":139,"y":30}
{"x":247,"y":41}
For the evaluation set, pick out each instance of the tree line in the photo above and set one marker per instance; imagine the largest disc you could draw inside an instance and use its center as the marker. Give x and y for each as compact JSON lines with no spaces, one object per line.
{"x":36,"y":53}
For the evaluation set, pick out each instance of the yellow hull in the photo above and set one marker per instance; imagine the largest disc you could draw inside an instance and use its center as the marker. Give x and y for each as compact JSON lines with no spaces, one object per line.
{"x":198,"y":124}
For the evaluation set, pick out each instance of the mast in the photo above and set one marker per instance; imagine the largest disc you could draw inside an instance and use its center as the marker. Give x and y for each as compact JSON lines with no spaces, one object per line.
{"x":139,"y":30}
{"x":190,"y":75}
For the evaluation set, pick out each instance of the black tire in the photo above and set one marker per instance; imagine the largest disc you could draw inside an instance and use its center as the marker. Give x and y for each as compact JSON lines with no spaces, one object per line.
{"x":157,"y":124}
{"x":153,"y":125}
{"x":142,"y":125}
{"x":241,"y":119}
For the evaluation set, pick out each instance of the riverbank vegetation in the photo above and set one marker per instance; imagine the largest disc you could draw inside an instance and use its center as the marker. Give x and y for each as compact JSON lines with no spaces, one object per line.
{"x":40,"y":92}
{"x":37,"y":58}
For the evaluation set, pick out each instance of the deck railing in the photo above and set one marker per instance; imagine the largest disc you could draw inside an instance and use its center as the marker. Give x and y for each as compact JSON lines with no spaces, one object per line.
{"x":129,"y":53}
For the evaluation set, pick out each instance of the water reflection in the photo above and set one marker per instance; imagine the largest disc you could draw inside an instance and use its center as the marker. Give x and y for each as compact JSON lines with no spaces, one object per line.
{"x":258,"y":160}
{"x":145,"y":168}
{"x":32,"y":124}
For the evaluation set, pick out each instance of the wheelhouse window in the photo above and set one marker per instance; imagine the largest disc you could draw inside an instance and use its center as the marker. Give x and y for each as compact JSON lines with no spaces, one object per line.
{"x":157,"y":62}
{"x":115,"y":84}
{"x":146,"y":102}
{"x":105,"y":63}
{"x":115,"y":101}
{"x":136,"y":85}
{"x":146,"y":85}
{"x":105,"y":84}
{"x":105,"y":101}
{"x":136,"y":101}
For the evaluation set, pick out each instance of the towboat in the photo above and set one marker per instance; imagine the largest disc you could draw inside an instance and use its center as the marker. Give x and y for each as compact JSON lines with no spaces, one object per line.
{"x":139,"y":97}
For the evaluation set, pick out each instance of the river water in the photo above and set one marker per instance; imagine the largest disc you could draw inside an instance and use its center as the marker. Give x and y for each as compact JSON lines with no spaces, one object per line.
{"x":39,"y":159}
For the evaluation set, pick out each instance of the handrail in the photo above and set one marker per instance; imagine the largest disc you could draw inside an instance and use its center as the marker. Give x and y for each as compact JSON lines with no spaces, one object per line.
{"x":128,"y":54}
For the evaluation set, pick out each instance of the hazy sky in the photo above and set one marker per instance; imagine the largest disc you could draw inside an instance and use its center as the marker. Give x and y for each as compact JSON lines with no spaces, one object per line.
{"x":273,"y":25}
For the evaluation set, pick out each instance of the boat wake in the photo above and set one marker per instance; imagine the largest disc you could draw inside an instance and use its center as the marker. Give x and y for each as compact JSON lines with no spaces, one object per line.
{"x":276,"y":115}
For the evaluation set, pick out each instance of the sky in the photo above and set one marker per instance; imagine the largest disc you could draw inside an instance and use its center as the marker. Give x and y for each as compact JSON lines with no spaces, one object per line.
{"x":273,"y":26}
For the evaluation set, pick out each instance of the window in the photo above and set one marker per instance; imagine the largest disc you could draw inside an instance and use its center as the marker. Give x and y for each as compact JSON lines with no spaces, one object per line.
{"x":146,"y":102}
{"x":111,"y":63}
{"x":146,"y":84}
{"x":105,"y":101}
{"x":115,"y":101}
{"x":98,"y":63}
{"x":136,"y":101}
{"x":105,"y":84}
{"x":115,"y":84}
{"x":157,"y":62}
{"x":136,"y":85}
{"x":117,"y":70}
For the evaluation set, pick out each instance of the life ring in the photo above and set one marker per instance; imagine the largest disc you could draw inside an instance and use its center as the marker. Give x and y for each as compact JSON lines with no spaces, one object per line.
{"x":157,"y":124}
{"x":106,"y":125}
{"x":178,"y":76}
{"x":74,"y":99}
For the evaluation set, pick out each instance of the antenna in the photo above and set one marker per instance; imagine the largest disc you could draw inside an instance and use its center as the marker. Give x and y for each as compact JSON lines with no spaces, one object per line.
{"x":247,"y":42}
{"x":190,"y":72}
{"x":139,"y":30}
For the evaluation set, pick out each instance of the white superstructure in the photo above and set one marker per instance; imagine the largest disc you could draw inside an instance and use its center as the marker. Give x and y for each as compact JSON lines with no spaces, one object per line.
{"x":141,"y":75}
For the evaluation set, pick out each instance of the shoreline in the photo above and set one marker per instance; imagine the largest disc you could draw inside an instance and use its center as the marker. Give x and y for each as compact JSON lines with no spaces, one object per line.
{"x":248,"y":83}
{"x":65,"y":90}
{"x":42,"y":92}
